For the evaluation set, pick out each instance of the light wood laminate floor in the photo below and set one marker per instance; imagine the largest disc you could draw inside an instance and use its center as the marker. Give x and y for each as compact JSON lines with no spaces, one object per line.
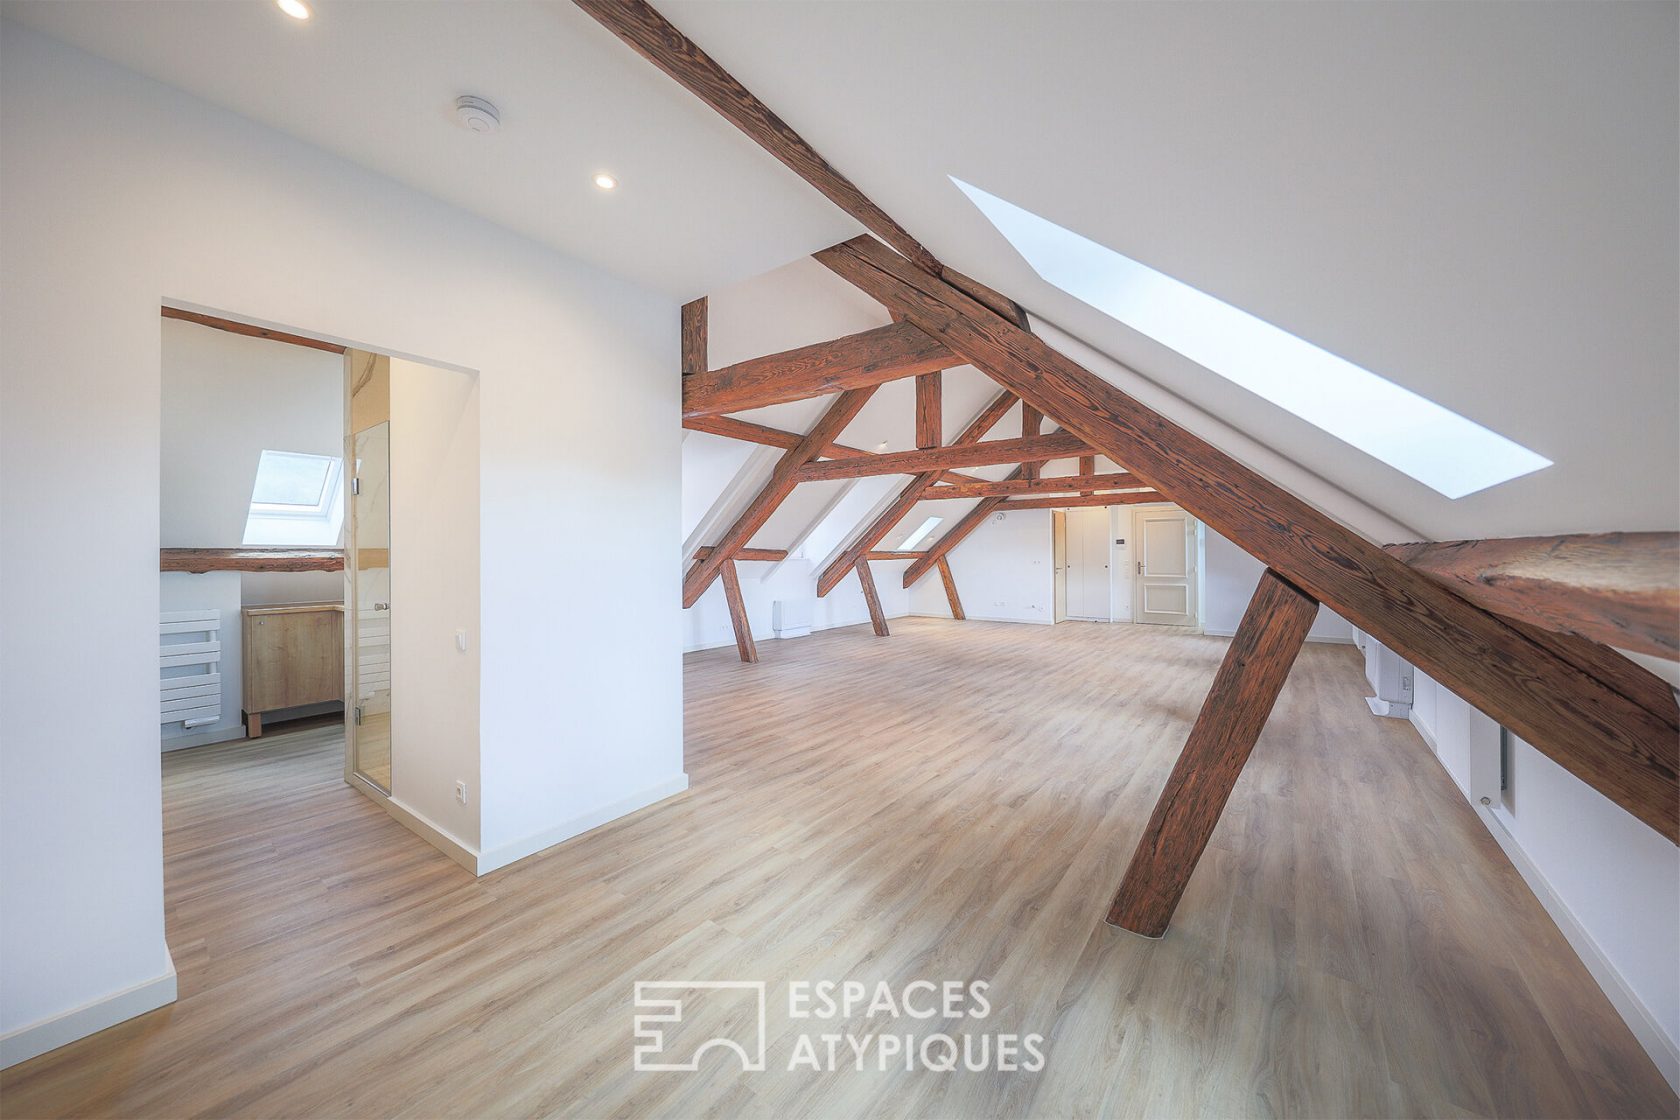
{"x":955,"y":802}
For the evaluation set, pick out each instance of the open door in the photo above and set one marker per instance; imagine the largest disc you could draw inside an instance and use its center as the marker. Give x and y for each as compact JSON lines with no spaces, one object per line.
{"x":368,"y":568}
{"x":1164,"y":592}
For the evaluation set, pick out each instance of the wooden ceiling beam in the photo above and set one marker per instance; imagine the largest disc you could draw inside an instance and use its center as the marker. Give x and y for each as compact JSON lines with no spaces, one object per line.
{"x":992,"y":452}
{"x":1621,"y":589}
{"x":1595,"y":732}
{"x":993,"y":411}
{"x":781,"y":483}
{"x":1044,"y":484}
{"x":857,"y":361}
{"x":1123,"y":498}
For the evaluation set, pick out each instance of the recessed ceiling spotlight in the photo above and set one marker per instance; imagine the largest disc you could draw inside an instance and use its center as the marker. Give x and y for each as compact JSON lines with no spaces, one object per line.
{"x":297,"y":9}
{"x":605,"y":182}
{"x":477,"y":114}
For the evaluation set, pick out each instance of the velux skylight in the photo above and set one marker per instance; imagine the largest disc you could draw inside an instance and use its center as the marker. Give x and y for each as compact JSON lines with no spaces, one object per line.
{"x":296,"y":499}
{"x":920,"y":534}
{"x":1441,"y":449}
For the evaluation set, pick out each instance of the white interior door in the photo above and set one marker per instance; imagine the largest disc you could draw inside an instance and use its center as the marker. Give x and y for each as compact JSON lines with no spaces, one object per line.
{"x":1087,"y":563}
{"x":1164,"y":591}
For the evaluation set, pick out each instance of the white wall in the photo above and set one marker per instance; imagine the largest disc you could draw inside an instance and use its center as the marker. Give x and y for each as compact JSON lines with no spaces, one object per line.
{"x":434,"y":593}
{"x":1229,"y":577}
{"x":1611,"y":883}
{"x":1005,"y":572}
{"x":706,"y":625}
{"x":121,"y":194}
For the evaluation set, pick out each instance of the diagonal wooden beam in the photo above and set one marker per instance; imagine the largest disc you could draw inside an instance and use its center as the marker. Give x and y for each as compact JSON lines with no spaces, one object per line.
{"x":653,"y":37}
{"x":1595,"y":732}
{"x":738,"y":614}
{"x":1621,"y":589}
{"x":991,"y":452}
{"x":929,"y":419}
{"x":1045,"y":484}
{"x":857,"y":361}
{"x":749,"y":432}
{"x":1245,"y":688}
{"x":994,"y":410}
{"x":950,"y":582}
{"x":694,"y":337}
{"x":782,"y":481}
{"x":871,"y":598}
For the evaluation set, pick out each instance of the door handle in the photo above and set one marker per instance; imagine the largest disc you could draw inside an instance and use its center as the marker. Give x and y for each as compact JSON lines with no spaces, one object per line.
{"x":1140,"y":567}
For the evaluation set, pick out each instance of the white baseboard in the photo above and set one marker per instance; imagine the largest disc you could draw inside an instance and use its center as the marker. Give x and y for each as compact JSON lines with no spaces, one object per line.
{"x":49,"y":1034}
{"x":1627,"y":1003}
{"x":530,"y":845}
{"x":434,"y":834}
{"x":986,"y":618}
{"x":1622,"y":997}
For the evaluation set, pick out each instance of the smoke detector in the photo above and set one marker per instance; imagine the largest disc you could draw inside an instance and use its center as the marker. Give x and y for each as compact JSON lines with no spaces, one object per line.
{"x":477,"y":114}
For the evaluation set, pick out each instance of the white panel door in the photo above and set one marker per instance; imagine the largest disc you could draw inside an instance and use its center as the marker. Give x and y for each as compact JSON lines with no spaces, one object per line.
{"x":1087,"y":558}
{"x":1164,"y":591}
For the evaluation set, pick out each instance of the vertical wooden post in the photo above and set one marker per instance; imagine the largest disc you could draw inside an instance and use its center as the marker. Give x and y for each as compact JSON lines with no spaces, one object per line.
{"x":1087,"y":465}
{"x":1032,"y":420}
{"x":694,"y":337}
{"x":738,"y":613}
{"x":1243,"y":692}
{"x":930,"y":424}
{"x":877,"y":618}
{"x":951,"y":590}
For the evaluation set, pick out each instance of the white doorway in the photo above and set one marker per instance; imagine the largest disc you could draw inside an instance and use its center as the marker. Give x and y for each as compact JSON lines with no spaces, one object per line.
{"x":1086,"y":556}
{"x":1164,"y":588}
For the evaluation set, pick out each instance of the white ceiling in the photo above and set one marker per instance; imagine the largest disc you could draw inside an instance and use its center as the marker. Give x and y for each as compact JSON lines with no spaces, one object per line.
{"x":697,"y":206}
{"x":1478,"y":202}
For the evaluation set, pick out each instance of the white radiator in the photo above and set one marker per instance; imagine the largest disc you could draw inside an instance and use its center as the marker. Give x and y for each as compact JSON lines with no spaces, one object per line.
{"x":189,"y":666}
{"x":791,"y":618}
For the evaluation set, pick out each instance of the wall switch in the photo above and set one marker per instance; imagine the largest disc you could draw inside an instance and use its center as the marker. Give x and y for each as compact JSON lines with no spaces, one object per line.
{"x":461,"y":792}
{"x":461,"y":640}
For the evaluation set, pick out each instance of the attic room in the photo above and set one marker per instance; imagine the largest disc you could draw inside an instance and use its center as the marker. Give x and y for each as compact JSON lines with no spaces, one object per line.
{"x":848,"y":559}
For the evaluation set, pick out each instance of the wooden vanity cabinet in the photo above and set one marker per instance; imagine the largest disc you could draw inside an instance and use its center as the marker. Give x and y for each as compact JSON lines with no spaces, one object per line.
{"x":294,"y":655}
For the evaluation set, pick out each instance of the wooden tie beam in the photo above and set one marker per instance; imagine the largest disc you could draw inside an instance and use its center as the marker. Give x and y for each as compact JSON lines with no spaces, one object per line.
{"x":858,"y":361}
{"x":987,"y":453}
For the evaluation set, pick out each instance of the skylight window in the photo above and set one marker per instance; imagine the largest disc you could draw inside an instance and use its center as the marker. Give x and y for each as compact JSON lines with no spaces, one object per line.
{"x":297,"y":499}
{"x":1447,"y":452}
{"x":920,"y":534}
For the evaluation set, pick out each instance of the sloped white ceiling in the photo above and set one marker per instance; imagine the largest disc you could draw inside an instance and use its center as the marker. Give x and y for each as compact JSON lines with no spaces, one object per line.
{"x":698,"y":205}
{"x":1476,"y":201}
